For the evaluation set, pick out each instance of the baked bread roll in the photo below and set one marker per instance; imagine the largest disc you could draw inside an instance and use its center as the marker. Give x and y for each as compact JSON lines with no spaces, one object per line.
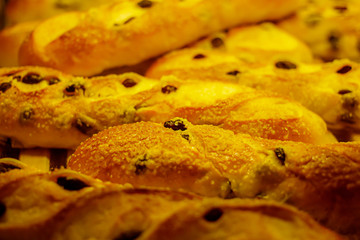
{"x":19,"y":11}
{"x":258,"y":44}
{"x":230,"y":220}
{"x":322,"y":180}
{"x":129,"y":32}
{"x":330,"y":90}
{"x":42,"y":107}
{"x":330,"y":28}
{"x":46,"y":108}
{"x":11,"y":39}
{"x":68,"y":205}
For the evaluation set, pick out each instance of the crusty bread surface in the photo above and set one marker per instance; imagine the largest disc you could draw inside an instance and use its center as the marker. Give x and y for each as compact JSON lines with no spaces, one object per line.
{"x":322,"y":180}
{"x":128,"y":32}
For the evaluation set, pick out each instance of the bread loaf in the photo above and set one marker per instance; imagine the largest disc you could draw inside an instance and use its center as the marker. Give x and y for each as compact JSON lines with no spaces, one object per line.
{"x":131,"y":31}
{"x":42,"y":107}
{"x":11,"y":39}
{"x":257,"y":44}
{"x":330,"y":28}
{"x":20,"y":11}
{"x":321,"y":180}
{"x":331,"y":90}
{"x":67,"y":205}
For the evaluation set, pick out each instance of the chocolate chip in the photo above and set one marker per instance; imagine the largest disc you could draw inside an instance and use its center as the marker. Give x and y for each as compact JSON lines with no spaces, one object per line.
{"x":186,"y":136}
{"x":199,"y":56}
{"x":140,"y":165}
{"x":280,"y":154}
{"x":5,"y":86}
{"x":349,"y":103}
{"x":344,"y":91}
{"x":334,"y":39}
{"x":168,"y":89}
{"x":213,"y":215}
{"x":6,"y":167}
{"x":175,"y":125}
{"x":53,"y":80}
{"x":312,"y":20}
{"x":129,"y":83}
{"x":145,"y":4}
{"x":130,"y":235}
{"x":2,"y":209}
{"x":348,"y":118}
{"x":341,"y":9}
{"x":229,"y":191}
{"x":26,"y":115}
{"x":233,"y":73}
{"x":32,"y":78}
{"x":344,"y":69}
{"x":285,"y":65}
{"x":217,"y":42}
{"x":129,"y":20}
{"x":71,"y":184}
{"x":73,"y":89}
{"x":84,"y":127}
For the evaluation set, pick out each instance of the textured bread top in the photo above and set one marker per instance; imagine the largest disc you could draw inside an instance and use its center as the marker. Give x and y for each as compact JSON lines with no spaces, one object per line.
{"x":330,"y":28}
{"x":131,"y":31}
{"x":67,"y":205}
{"x":19,"y":11}
{"x":322,"y":180}
{"x":257,"y":44}
{"x":11,"y":39}
{"x":331,"y":90}
{"x":42,"y":107}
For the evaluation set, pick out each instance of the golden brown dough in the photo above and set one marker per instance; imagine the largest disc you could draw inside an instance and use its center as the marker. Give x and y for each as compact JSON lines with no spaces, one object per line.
{"x":128,"y":32}
{"x":45,"y":108}
{"x":329,"y":27}
{"x":42,"y":107}
{"x":19,"y":11}
{"x":257,"y":44}
{"x":331,"y":90}
{"x":321,"y":180}
{"x":251,"y":219}
{"x":67,"y":205}
{"x":11,"y":39}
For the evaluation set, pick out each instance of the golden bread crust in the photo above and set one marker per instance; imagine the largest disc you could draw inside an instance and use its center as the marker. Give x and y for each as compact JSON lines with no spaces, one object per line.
{"x":258,"y":44}
{"x":19,"y":11}
{"x":84,"y":43}
{"x":329,"y":28}
{"x":11,"y":39}
{"x":45,"y":108}
{"x":331,"y":90}
{"x":185,"y":223}
{"x":67,"y":205}
{"x":322,"y":180}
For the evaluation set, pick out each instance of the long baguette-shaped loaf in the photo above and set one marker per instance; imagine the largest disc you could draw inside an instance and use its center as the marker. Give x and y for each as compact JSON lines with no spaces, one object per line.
{"x":67,"y":205}
{"x":42,"y":107}
{"x":329,"y":28}
{"x":19,"y":11}
{"x":331,"y":90}
{"x":323,"y":180}
{"x":131,"y":31}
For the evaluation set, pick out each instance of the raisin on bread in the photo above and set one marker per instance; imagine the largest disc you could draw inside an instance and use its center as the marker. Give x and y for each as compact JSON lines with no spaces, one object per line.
{"x":129,"y":32}
{"x":322,"y":180}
